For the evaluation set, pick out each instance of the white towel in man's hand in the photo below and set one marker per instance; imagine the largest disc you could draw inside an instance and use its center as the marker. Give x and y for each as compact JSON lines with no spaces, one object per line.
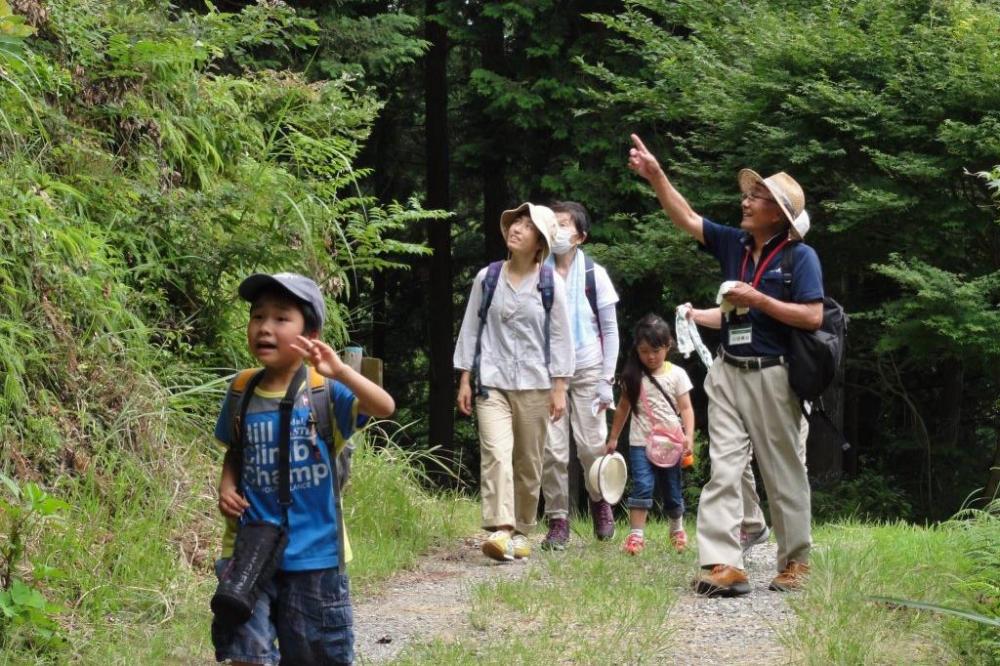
{"x":688,"y":338}
{"x":725,"y":305}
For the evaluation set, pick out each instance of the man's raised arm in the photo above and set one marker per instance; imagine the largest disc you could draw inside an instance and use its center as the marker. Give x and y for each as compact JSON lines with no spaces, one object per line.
{"x":676,"y":206}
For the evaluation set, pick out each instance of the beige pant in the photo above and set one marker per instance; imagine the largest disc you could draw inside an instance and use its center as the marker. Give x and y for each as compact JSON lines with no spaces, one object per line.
{"x":753,"y":517}
{"x":590,"y":433}
{"x":757,"y":406}
{"x":511,"y":439}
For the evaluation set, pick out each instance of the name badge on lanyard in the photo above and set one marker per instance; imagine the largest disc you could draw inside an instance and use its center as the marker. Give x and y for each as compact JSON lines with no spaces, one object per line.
{"x":740,"y":331}
{"x":741,"y":334}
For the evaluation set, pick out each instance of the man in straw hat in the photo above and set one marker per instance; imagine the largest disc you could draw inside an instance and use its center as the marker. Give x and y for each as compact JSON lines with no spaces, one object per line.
{"x":750,"y":399}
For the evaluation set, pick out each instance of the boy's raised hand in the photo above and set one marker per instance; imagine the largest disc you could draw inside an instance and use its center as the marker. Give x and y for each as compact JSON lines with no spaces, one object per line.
{"x":320,"y":355}
{"x":641,"y":160}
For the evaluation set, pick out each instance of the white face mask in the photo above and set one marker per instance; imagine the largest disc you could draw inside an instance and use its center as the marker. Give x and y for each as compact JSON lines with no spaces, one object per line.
{"x":563,"y":241}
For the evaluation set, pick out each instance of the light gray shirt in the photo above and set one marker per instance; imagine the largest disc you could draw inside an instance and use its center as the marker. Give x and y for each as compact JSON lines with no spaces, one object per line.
{"x":513,"y":344}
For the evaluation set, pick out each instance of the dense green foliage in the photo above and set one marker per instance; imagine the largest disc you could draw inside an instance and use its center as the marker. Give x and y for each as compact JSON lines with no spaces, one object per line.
{"x":150,"y":162}
{"x":156,"y":152}
{"x":884,"y":111}
{"x":142,"y":183}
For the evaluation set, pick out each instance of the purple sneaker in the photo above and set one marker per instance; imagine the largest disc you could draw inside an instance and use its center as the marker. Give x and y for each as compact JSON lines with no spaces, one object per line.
{"x":604,"y":520}
{"x":748,"y":540}
{"x":558,"y":535}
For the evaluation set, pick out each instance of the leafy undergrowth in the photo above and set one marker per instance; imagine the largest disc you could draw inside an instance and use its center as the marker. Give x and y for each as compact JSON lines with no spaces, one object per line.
{"x":149,"y":163}
{"x":391,"y":519}
{"x":133,"y":563}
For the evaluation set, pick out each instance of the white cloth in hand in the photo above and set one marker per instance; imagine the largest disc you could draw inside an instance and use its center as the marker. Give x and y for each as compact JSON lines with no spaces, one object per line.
{"x":688,"y":338}
{"x":725,"y":305}
{"x":603,"y":398}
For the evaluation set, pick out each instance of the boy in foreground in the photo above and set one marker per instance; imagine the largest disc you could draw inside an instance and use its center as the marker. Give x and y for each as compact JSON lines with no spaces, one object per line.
{"x":302,"y":615}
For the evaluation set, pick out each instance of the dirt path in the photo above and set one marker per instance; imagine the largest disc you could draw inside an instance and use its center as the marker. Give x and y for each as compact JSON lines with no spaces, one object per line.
{"x":427,"y":602}
{"x":742,"y":630}
{"x":433,"y":601}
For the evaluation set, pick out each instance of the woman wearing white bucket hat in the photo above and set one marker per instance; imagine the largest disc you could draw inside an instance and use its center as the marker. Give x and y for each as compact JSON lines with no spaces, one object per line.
{"x":515,"y":345}
{"x":750,"y":398}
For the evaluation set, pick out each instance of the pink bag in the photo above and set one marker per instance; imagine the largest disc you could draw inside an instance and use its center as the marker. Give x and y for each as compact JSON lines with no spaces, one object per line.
{"x":664,"y":444}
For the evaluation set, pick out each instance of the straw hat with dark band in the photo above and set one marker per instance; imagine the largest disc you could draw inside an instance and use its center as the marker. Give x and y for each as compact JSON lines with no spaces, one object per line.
{"x":787,"y":194}
{"x":542,"y":217}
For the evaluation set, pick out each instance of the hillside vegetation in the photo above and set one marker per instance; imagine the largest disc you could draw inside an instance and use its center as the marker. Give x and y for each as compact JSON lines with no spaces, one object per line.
{"x":148,"y":165}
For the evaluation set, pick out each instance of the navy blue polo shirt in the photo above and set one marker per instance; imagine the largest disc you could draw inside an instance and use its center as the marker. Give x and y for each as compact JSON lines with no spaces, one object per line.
{"x":769,"y":337}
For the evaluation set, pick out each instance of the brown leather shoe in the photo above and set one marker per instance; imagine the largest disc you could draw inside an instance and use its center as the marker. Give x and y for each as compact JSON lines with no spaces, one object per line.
{"x":792,"y":578}
{"x":722,"y":580}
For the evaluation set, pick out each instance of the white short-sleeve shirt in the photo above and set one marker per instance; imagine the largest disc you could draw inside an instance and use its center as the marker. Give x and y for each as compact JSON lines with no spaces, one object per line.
{"x":590,"y":355}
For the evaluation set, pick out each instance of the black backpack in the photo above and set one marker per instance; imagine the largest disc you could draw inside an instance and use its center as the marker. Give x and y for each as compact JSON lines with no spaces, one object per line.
{"x":590,"y":289}
{"x":814,"y":356}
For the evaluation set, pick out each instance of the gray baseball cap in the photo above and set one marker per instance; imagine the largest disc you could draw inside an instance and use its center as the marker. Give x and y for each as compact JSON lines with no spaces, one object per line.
{"x":298,"y":286}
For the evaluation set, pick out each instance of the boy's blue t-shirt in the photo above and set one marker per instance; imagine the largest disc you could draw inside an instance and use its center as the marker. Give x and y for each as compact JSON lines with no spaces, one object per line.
{"x":729,"y":245}
{"x":312,"y":517}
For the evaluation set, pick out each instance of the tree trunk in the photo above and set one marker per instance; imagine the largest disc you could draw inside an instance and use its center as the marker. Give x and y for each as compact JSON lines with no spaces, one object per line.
{"x":439,"y":290}
{"x":950,"y":404}
{"x":993,"y":484}
{"x":383,"y":161}
{"x":494,"y":160}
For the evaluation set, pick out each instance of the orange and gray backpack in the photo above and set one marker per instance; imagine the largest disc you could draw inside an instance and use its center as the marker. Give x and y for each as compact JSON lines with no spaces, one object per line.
{"x":320,"y":416}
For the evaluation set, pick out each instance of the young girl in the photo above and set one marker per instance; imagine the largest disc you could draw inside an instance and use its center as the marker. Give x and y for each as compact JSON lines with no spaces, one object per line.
{"x":521,"y":356}
{"x":648,"y":379}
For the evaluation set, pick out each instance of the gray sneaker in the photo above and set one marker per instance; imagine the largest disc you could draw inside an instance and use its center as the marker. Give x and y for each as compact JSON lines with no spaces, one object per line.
{"x":748,"y":540}
{"x":558,"y":535}
{"x":604,"y":520}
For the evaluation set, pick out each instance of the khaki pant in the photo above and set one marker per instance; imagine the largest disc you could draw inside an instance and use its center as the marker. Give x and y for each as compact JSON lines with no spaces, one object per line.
{"x":753,"y":517}
{"x":590,"y":433}
{"x":511,"y":439}
{"x":753,"y":406}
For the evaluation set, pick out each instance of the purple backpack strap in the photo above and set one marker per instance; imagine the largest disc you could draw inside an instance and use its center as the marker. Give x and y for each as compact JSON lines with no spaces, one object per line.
{"x":489,"y":288}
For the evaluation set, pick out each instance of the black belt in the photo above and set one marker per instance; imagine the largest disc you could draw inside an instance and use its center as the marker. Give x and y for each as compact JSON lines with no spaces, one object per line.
{"x":751,"y":363}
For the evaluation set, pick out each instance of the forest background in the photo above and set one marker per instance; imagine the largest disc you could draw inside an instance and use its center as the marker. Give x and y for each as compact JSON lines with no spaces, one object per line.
{"x":157,"y":152}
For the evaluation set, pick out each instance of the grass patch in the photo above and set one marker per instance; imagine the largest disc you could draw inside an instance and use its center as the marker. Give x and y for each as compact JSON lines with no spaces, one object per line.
{"x":589,"y":604}
{"x":138,"y":551}
{"x":593,"y":605}
{"x":391,"y":520}
{"x":840,"y":623}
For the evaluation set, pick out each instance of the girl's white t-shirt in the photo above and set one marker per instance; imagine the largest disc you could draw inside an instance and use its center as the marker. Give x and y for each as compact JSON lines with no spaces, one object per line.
{"x":675,"y":382}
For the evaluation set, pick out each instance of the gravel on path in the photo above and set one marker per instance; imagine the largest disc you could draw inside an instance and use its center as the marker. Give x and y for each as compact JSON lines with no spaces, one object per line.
{"x":738,"y":630}
{"x":433,"y":601}
{"x":430,"y":601}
